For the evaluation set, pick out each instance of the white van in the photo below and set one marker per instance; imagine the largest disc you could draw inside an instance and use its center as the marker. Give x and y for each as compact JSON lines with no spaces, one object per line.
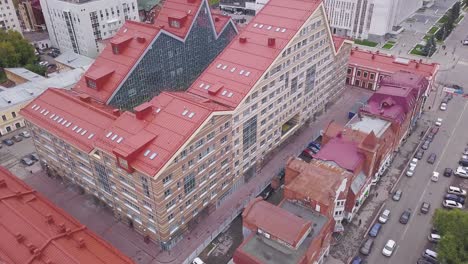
{"x":435,"y":176}
{"x":198,"y":261}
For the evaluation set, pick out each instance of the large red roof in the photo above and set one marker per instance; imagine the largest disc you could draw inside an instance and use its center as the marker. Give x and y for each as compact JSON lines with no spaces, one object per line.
{"x":248,"y":56}
{"x":151,"y":141}
{"x":35,"y":231}
{"x":344,"y":153}
{"x":391,"y":64}
{"x":65,"y":115}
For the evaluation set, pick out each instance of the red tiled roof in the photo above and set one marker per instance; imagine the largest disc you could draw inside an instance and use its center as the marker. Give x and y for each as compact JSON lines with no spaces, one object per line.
{"x":62,"y":113}
{"x":276,"y":221}
{"x":35,"y":231}
{"x":338,"y":42}
{"x":242,"y":63}
{"x":391,"y":64}
{"x":344,"y":153}
{"x":173,"y":118}
{"x":120,"y":63}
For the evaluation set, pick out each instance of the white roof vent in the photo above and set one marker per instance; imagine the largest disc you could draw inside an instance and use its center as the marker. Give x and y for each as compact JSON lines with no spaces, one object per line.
{"x":261,"y":25}
{"x":114,"y":137}
{"x":201,"y":85}
{"x":191,"y":115}
{"x":233,"y":69}
{"x":56,"y":117}
{"x":108,"y":134}
{"x":224,"y":67}
{"x":230,"y":95}
{"x":84,"y":132}
{"x":153,"y":155}
{"x":119,"y":140}
{"x":158,"y":110}
{"x":46,"y":113}
{"x":34,"y":105}
{"x":185,"y":112}
{"x":255,"y":25}
{"x":74,"y":128}
{"x":90,"y":136}
{"x":60,"y":120}
{"x":247,"y":74}
{"x":269,"y":27}
{"x":64,"y":122}
{"x":51,"y":116}
{"x":277,"y":29}
{"x":219,"y":66}
{"x":79,"y":130}
{"x":69,"y":124}
{"x":207,"y":87}
{"x":283,"y":30}
{"x":147,"y":152}
{"x":42,"y":111}
{"x":224,"y":92}
{"x":241,"y":72}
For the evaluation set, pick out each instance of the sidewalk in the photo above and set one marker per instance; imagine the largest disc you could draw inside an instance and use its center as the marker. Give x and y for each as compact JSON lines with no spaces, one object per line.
{"x":208,"y":227}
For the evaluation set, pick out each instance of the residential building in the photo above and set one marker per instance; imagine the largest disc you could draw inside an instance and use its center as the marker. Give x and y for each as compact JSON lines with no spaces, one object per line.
{"x":250,"y":7}
{"x":180,"y":155}
{"x":290,"y":233}
{"x":80,"y":25}
{"x":34,"y":230}
{"x":374,"y":19}
{"x":367,"y":68}
{"x":165,"y":56}
{"x":31,"y":16}
{"x":15,"y":98}
{"x":69,"y":60}
{"x":8,"y":18}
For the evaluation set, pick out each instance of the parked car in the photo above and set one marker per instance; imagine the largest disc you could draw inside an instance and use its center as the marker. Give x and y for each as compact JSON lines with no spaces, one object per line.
{"x":314,"y":144}
{"x":410,"y":171}
{"x":430,"y":137}
{"x":451,"y":204}
{"x":456,"y":190}
{"x":430,"y":255}
{"x":34,"y":156}
{"x":434,"y":130}
{"x":455,"y":198}
{"x":425,"y":145}
{"x":314,"y":149}
{"x":8,"y":142}
{"x":419,"y":154}
{"x":375,"y":230}
{"x":425,"y":207}
{"x":434,"y":237}
{"x":27,"y":161}
{"x":432,"y":158}
{"x":443,"y":106}
{"x":389,"y":248}
{"x":358,"y":260}
{"x":198,"y":261}
{"x":461,"y":172}
{"x":405,"y":216}
{"x":17,"y":138}
{"x":384,"y":216}
{"x":435,"y":176}
{"x":25,"y":134}
{"x":465,"y":152}
{"x":448,"y":172}
{"x":397,"y":195}
{"x":463,"y":162}
{"x":414,"y":162}
{"x":308,"y":152}
{"x":438,"y":122}
{"x":367,"y":247}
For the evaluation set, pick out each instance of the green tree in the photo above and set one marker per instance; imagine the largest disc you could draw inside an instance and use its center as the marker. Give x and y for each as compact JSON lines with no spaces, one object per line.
{"x":430,"y":47}
{"x":452,"y":226}
{"x":455,"y":11}
{"x":465,"y":2}
{"x":15,"y":51}
{"x":41,"y":70}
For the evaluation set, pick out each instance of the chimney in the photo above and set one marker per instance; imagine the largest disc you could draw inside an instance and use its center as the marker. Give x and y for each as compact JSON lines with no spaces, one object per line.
{"x":19,"y":237}
{"x":141,"y":39}
{"x":143,"y":110}
{"x":2,"y":183}
{"x":85,"y":98}
{"x":373,"y":56}
{"x":242,"y":40}
{"x":271,"y":42}
{"x":81,"y":243}
{"x":216,"y":19}
{"x":116,"y":112}
{"x":49,"y":219}
{"x":377,"y":52}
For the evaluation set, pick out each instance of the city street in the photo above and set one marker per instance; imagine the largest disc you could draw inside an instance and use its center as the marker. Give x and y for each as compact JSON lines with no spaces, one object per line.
{"x":411,"y":238}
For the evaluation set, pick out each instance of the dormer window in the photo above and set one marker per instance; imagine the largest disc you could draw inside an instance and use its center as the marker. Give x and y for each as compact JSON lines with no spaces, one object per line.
{"x":91,"y":83}
{"x":115,"y":49}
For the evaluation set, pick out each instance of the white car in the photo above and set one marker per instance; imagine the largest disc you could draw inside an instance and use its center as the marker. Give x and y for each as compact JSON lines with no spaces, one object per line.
{"x":389,"y":248}
{"x":461,"y":172}
{"x":414,"y":162}
{"x":383,"y":218}
{"x":456,"y":190}
{"x":438,"y":122}
{"x":452,"y":204}
{"x":443,"y":106}
{"x":410,"y":171}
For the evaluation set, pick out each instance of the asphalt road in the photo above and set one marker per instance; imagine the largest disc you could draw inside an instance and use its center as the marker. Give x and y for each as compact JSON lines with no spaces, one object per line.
{"x":411,"y":238}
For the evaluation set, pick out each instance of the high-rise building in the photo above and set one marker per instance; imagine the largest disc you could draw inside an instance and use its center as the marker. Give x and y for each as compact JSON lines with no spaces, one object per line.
{"x":80,"y":25}
{"x":364,"y":19}
{"x":31,"y":15}
{"x":8,"y":18}
{"x":181,"y":154}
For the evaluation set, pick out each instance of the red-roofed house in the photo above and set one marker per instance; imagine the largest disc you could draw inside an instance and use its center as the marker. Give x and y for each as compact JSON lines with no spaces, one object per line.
{"x":290,"y":233}
{"x":178,"y":156}
{"x":33,"y":230}
{"x":367,"y":68}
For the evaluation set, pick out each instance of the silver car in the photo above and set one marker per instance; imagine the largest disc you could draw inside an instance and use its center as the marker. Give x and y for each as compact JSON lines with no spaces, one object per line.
{"x":367,"y":247}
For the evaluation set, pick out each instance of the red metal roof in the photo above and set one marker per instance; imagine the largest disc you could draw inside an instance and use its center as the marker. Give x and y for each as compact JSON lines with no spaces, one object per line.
{"x":62,"y":113}
{"x":338,"y":42}
{"x":240,"y":65}
{"x":35,"y":231}
{"x":390,"y":64}
{"x":276,"y":221}
{"x":173,"y":118}
{"x":120,"y":63}
{"x":342,"y":152}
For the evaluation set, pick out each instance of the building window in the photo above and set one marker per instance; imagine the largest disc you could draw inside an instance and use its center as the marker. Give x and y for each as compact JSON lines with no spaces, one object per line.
{"x":357,"y":83}
{"x":370,"y":85}
{"x":372,"y":76}
{"x":13,"y":114}
{"x":4,"y":117}
{"x":167,"y":192}
{"x":103,"y":177}
{"x":167,"y":179}
{"x":358,"y":73}
{"x":91,"y":84}
{"x":365,"y":74}
{"x":144,"y":183}
{"x":350,"y":70}
{"x":250,"y":133}
{"x":189,"y":183}
{"x":175,"y":23}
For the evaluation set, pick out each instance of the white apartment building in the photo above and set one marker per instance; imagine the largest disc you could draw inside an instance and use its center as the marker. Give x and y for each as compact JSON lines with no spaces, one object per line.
{"x":79,"y":25}
{"x":247,"y":6}
{"x":8,"y":17}
{"x":363,"y":19}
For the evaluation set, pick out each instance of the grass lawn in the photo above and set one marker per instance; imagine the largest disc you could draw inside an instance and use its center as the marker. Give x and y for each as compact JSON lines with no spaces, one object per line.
{"x":433,"y":30}
{"x":366,"y":43}
{"x":427,"y":37}
{"x":459,"y":19}
{"x":443,"y":19}
{"x":388,"y":45}
{"x":213,"y":2}
{"x":417,"y":50}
